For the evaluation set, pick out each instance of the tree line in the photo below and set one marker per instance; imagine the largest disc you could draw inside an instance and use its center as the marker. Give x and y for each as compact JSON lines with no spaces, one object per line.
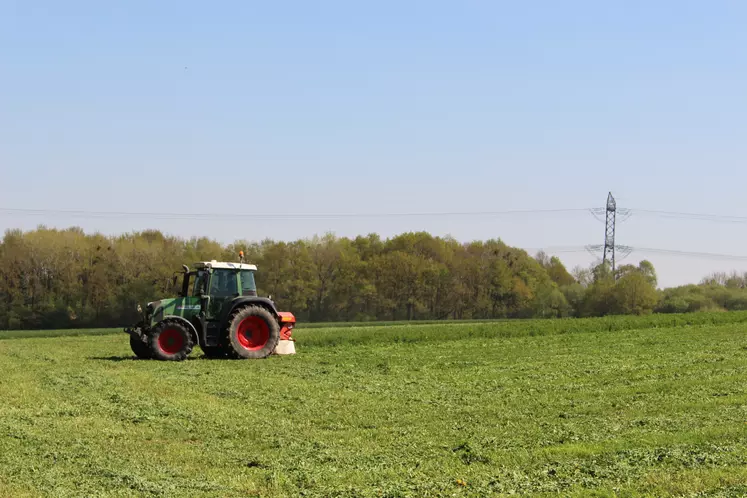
{"x":53,"y":278}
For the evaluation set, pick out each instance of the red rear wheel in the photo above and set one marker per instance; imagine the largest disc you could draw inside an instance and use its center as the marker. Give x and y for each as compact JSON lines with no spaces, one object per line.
{"x":253,"y":333}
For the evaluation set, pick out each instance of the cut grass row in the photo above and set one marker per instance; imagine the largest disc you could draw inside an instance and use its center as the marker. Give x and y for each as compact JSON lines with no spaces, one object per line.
{"x":20,"y":334}
{"x":326,"y":334}
{"x":450,"y":331}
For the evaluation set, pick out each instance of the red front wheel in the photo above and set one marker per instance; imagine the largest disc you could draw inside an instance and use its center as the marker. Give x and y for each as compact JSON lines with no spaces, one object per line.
{"x":170,"y":340}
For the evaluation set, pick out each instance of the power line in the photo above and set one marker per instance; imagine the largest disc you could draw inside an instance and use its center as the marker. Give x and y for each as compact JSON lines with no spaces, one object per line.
{"x":556,"y":249}
{"x":305,"y":216}
{"x":299,"y":216}
{"x":260,"y":216}
{"x":694,"y":216}
{"x":706,"y":255}
{"x":672,"y":252}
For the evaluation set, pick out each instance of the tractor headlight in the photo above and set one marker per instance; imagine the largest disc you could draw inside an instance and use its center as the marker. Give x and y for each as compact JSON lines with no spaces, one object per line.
{"x":139,"y":309}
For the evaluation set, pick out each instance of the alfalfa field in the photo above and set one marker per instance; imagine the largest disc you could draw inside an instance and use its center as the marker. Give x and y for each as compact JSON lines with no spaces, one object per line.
{"x":457,"y":409}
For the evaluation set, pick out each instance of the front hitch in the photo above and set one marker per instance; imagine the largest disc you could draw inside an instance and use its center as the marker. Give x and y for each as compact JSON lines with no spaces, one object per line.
{"x":136,"y":331}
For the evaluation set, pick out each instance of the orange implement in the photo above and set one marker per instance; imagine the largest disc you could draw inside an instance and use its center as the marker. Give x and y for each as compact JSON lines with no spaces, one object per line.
{"x":287,"y":322}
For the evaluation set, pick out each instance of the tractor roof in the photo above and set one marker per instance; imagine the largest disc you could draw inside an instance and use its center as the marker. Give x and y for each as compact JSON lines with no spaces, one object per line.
{"x":225,"y":266}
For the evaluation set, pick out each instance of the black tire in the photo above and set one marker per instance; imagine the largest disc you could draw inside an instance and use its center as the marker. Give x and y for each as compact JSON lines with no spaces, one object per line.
{"x":253,"y":333}
{"x":170,"y":340}
{"x":140,"y":347}
{"x":214,"y":352}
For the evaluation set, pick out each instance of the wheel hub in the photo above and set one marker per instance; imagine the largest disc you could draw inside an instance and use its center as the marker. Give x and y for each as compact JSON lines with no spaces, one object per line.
{"x":170,"y":341}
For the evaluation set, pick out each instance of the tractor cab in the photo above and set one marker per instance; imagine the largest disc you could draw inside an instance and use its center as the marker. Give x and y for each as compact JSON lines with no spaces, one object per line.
{"x":219,"y":282}
{"x":218,"y":309}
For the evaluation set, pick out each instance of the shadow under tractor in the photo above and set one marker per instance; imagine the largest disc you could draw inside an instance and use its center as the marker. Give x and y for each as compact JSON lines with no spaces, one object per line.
{"x":217,"y":309}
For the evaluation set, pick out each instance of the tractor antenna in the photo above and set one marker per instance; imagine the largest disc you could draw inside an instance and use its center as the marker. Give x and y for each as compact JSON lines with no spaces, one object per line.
{"x":609,"y":232}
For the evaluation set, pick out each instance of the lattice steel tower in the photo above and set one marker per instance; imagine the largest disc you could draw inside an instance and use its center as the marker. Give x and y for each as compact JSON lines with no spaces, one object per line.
{"x":611,"y":251}
{"x":609,"y":232}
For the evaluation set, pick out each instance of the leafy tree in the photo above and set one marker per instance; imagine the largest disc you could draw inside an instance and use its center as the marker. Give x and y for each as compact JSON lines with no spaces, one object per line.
{"x":63,"y":278}
{"x":555,"y":269}
{"x":599,"y":298}
{"x":583,"y":276}
{"x":634,"y":294}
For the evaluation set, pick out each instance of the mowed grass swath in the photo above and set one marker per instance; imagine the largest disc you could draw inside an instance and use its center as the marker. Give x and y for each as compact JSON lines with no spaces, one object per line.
{"x":314,"y":334}
{"x":456,"y":410}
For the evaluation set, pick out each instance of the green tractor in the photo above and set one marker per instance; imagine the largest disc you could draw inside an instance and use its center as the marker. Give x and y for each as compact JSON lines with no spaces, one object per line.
{"x":218,"y":309}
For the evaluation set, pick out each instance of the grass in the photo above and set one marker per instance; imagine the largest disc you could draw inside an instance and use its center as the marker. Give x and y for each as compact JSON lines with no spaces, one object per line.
{"x":449,"y":410}
{"x":35,"y":334}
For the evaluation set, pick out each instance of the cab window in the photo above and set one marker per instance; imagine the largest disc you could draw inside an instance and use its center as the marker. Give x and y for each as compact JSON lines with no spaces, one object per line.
{"x":199,"y":284}
{"x":248,"y":286}
{"x":223,"y":283}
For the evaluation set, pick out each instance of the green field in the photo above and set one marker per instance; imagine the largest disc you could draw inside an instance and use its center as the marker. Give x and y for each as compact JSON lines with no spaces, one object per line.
{"x":614,"y":407}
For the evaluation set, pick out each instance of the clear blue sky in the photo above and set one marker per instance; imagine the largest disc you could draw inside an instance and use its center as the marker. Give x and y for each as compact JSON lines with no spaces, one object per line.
{"x":346,"y":107}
